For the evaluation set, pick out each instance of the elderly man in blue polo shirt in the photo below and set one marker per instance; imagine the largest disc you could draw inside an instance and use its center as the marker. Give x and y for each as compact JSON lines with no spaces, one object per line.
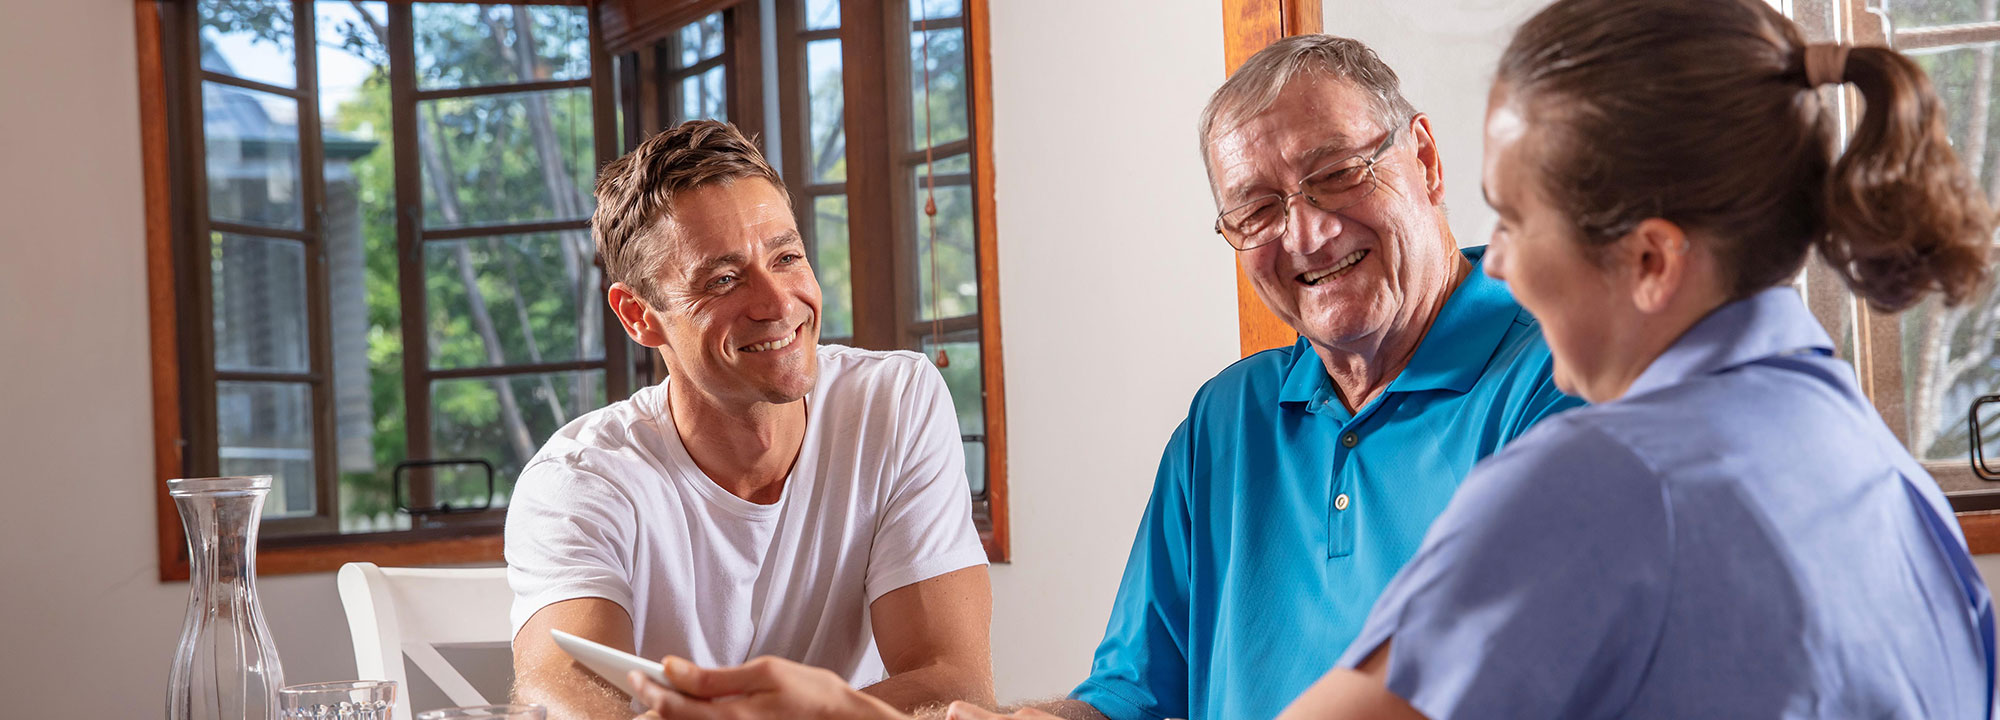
{"x":1304,"y":477}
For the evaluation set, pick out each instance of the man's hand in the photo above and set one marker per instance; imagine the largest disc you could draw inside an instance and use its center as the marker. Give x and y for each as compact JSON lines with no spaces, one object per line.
{"x":766,"y":687}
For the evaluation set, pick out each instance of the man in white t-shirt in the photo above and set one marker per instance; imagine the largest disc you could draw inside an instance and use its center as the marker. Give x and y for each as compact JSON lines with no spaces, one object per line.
{"x":772,"y":497}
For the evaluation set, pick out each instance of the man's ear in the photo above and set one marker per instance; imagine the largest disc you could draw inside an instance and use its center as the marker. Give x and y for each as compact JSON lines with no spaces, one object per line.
{"x":1655,"y":257}
{"x":1427,"y":153}
{"x":633,"y":313}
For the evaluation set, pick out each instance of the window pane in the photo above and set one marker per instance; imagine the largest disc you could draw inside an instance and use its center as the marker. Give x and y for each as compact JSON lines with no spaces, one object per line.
{"x":468,"y":45}
{"x":252,"y":143}
{"x":1910,"y":14}
{"x":825,"y":119}
{"x":353,"y":64}
{"x":1950,"y":356}
{"x":250,"y":39}
{"x":950,"y":164}
{"x":975,"y":466}
{"x":516,"y":157}
{"x":360,"y":233}
{"x":947,"y":88}
{"x":455,"y":485}
{"x":505,"y":420}
{"x":962,"y":377}
{"x":266,"y":429}
{"x":702,"y":96}
{"x":513,"y":300}
{"x":1949,"y":360}
{"x":830,"y":264}
{"x":259,"y":296}
{"x":933,"y":9}
{"x":957,"y":268}
{"x":701,"y":39}
{"x":822,"y":14}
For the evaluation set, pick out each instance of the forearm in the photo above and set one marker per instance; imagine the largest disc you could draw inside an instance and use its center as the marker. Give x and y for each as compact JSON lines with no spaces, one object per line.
{"x":574,"y":697}
{"x":926,"y":690}
{"x":1065,"y":708}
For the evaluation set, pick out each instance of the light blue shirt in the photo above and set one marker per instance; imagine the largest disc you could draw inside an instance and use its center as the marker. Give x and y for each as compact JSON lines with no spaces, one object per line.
{"x":1738,"y":536}
{"x":1278,"y":516}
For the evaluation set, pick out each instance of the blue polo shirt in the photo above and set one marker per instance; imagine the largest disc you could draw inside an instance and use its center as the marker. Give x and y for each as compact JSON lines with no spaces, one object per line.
{"x":1278,"y":516}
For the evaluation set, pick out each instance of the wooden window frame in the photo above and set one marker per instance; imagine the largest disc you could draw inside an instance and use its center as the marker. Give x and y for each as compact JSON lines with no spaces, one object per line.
{"x":176,"y":217}
{"x":1247,"y":27}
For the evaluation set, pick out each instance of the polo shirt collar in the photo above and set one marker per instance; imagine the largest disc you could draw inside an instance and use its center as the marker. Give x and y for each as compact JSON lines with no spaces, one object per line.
{"x":1768,"y":324}
{"x":1453,"y":354}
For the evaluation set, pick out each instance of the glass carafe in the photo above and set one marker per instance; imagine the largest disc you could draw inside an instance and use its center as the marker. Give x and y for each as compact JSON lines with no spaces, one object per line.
{"x":227,"y":667}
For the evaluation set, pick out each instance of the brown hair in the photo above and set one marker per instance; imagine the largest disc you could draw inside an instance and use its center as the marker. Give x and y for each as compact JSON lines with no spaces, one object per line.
{"x":635,"y":193}
{"x":1699,"y":112}
{"x":1259,"y":81}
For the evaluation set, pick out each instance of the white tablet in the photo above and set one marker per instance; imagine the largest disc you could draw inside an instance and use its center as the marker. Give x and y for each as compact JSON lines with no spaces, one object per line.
{"x":610,"y":663}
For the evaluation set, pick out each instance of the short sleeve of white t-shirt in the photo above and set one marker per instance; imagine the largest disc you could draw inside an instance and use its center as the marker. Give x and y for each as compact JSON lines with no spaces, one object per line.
{"x":613,"y":507}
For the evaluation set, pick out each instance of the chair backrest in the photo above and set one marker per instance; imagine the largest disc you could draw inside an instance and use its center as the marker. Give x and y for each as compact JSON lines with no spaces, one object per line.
{"x":397,"y":612}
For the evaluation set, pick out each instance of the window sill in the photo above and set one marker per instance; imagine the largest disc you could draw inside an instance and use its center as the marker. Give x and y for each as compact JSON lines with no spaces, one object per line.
{"x":1982,"y":531}
{"x":275,"y":558}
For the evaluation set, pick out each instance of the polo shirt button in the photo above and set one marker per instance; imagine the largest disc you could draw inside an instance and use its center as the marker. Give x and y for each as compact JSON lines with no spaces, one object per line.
{"x":1340,"y":501}
{"x":1350,"y":440}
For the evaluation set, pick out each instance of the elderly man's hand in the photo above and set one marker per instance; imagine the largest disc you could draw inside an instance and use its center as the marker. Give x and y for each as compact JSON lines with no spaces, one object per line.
{"x":969,"y":711}
{"x":766,"y":687}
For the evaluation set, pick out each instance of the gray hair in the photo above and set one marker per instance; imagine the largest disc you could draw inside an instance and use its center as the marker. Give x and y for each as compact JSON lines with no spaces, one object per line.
{"x":1257,"y":84}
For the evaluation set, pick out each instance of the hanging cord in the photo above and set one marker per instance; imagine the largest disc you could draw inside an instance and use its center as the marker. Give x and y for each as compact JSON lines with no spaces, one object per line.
{"x":930,"y":200}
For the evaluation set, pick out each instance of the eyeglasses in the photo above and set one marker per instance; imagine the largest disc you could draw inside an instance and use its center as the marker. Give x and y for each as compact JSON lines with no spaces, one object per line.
{"x":1332,"y":188}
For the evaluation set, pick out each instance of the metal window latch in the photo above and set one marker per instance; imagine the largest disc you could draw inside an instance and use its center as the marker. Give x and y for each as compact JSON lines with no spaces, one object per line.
{"x":444,"y":508}
{"x":1975,"y":439}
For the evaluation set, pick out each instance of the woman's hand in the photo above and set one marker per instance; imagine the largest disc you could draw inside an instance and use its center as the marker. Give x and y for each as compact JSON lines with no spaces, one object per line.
{"x":766,"y":687}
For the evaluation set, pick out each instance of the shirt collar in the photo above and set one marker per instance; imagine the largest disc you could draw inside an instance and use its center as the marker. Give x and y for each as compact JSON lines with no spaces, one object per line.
{"x":1770,"y":323}
{"x":1453,"y":353}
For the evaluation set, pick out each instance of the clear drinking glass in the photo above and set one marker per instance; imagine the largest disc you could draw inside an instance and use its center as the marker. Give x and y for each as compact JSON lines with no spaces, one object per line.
{"x":345,"y":700}
{"x":226,"y":667}
{"x":487,"y":712}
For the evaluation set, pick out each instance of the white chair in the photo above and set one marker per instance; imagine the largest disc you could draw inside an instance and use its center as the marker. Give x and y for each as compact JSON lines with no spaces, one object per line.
{"x":397,"y":612}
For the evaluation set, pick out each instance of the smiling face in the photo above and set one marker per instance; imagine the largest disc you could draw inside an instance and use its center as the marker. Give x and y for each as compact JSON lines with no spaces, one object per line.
{"x":739,"y":315}
{"x":1345,"y":278}
{"x":1535,"y":250}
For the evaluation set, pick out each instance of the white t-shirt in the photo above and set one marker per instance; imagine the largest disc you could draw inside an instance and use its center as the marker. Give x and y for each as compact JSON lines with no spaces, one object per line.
{"x":613,"y":507}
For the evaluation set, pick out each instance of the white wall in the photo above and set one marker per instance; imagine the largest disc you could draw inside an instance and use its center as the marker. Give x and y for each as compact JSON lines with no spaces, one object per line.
{"x":1117,"y":298}
{"x":89,"y":630}
{"x":1445,"y":52}
{"x":1117,"y":302}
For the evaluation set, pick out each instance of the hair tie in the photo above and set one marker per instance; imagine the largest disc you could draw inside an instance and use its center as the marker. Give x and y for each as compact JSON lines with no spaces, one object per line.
{"x":1826,"y":64}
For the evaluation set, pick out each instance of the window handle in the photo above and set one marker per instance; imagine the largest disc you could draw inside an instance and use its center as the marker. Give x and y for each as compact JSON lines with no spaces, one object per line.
{"x":1975,"y":439}
{"x":445,"y":508}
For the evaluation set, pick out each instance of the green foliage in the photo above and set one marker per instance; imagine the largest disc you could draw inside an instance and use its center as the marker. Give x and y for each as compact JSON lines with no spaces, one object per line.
{"x":493,"y":157}
{"x":267,"y":21}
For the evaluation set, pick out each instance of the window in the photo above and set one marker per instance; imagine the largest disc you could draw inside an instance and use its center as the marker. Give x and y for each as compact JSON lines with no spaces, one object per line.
{"x":384,"y":279}
{"x":866,"y":140}
{"x":1924,"y":367}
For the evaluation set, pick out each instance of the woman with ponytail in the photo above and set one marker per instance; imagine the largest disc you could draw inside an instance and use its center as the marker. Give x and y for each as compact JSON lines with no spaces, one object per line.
{"x":1729,"y":530}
